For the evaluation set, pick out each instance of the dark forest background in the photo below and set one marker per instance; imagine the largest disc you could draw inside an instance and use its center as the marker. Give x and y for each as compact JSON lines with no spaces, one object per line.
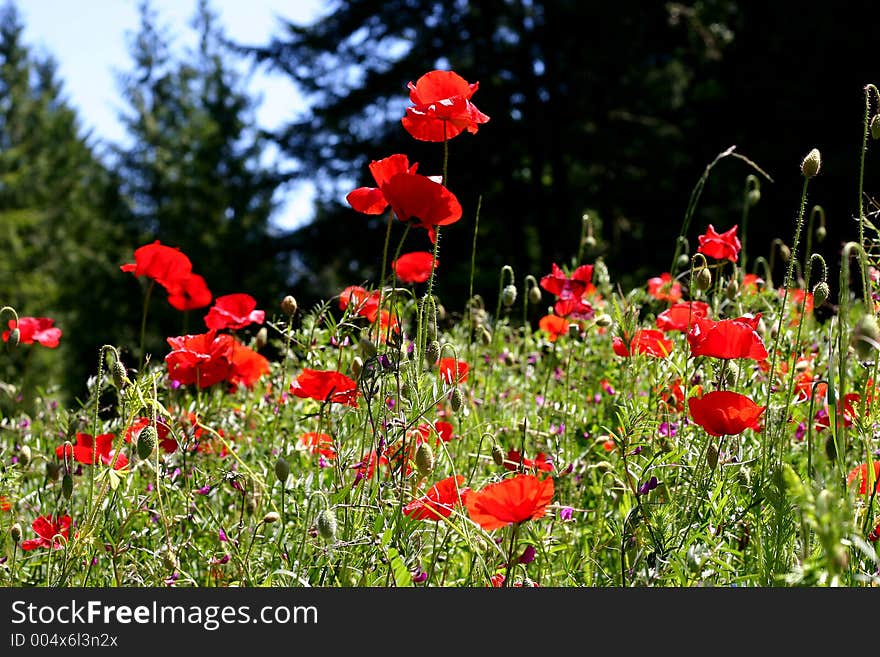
{"x":610,"y":109}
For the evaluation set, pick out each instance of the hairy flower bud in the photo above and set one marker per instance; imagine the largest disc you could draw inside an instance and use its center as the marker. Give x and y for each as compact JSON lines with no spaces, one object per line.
{"x":261,"y":339}
{"x":821,"y":233}
{"x":703,"y":278}
{"x":67,"y":485}
{"x":24,"y":455}
{"x":271,"y":517}
{"x":753,"y":196}
{"x":497,"y":454}
{"x":327,"y":524}
{"x":119,"y":375}
{"x":508,"y":295}
{"x":604,"y":320}
{"x":534,"y":295}
{"x":288,"y":306}
{"x":732,"y":290}
{"x":820,"y":293}
{"x":811,"y":164}
{"x":432,"y":353}
{"x":14,"y":337}
{"x":15,"y":532}
{"x":282,"y":469}
{"x":424,"y":459}
{"x":457,"y":399}
{"x":485,"y":336}
{"x":875,"y":127}
{"x":146,"y":442}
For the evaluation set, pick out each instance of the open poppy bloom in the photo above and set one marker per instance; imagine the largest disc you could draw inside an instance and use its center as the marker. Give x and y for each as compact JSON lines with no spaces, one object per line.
{"x":414,"y":267}
{"x":554,"y":326}
{"x":362,"y":302}
{"x":247,"y":365}
{"x":860,"y":472}
{"x":442,"y":107}
{"x":570,"y":291}
{"x":848,"y":409}
{"x":325,"y":386}
{"x":91,"y":450}
{"x":663,"y":288}
{"x":725,"y":413}
{"x":410,"y":195}
{"x":644,"y":341}
{"x":727,"y":338}
{"x":203,"y":359}
{"x":189,"y":293}
{"x":5,"y":505}
{"x":722,"y":246}
{"x":439,"y":501}
{"x":450,"y":369}
{"x":540,"y":463}
{"x":523,"y":497}
{"x":443,"y":431}
{"x":51,"y":533}
{"x":318,"y":444}
{"x":752,"y":283}
{"x":234,"y":311}
{"x":166,"y":265}
{"x":681,"y":316}
{"x":35,"y":329}
{"x":163,"y":431}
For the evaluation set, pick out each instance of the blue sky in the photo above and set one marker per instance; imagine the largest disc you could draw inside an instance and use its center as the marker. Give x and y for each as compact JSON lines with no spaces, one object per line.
{"x":89,"y":39}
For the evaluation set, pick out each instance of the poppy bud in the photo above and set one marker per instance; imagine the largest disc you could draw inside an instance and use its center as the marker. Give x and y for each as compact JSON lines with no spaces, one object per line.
{"x":282,"y":469}
{"x":535,"y":295}
{"x":262,"y":338}
{"x":811,"y":164}
{"x":712,"y":456}
{"x":288,"y":305}
{"x":604,"y":320}
{"x":327,"y":524}
{"x":732,"y":290}
{"x":457,"y":399}
{"x":590,"y":242}
{"x":24,"y":455}
{"x":357,"y":366}
{"x":784,"y":252}
{"x":830,"y":448}
{"x":169,"y":558}
{"x":497,"y":454}
{"x":424,"y":459}
{"x":875,"y":127}
{"x":432,"y":353}
{"x":865,"y":336}
{"x":271,"y":517}
{"x":753,"y":196}
{"x":14,"y":337}
{"x":120,"y":377}
{"x":683,"y":261}
{"x":820,"y":293}
{"x":703,"y":278}
{"x":821,"y":234}
{"x":67,"y":485}
{"x":53,"y":470}
{"x":485,"y":336}
{"x":15,"y":532}
{"x":368,"y":349}
{"x":146,"y":441}
{"x":508,"y":295}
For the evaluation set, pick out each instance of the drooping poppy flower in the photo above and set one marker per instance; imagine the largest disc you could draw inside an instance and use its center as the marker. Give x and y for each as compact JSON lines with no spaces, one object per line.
{"x":91,"y":450}
{"x":247,"y":366}
{"x":35,"y":329}
{"x":644,"y":341}
{"x":163,"y":431}
{"x":442,"y":107}
{"x":414,"y":267}
{"x":52,"y":533}
{"x":727,"y":338}
{"x":860,"y":472}
{"x":452,"y":371}
{"x":523,"y":497}
{"x":722,"y":246}
{"x":681,"y":316}
{"x":439,"y":501}
{"x":725,"y":413}
{"x":410,"y":195}
{"x":540,"y":463}
{"x":234,"y":311}
{"x":663,"y":288}
{"x":554,"y":326}
{"x":326,"y":386}
{"x":166,"y":265}
{"x":318,"y":444}
{"x":190,"y":293}
{"x":203,"y":359}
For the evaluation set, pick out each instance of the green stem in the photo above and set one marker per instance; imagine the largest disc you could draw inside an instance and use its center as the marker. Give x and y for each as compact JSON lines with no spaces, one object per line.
{"x":144,"y":322}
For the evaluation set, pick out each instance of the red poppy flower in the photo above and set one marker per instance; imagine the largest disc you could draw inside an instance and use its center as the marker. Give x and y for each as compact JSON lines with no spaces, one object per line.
{"x":366,"y":467}
{"x":860,"y":472}
{"x":5,"y":504}
{"x":565,"y":287}
{"x":439,"y":501}
{"x":644,"y":341}
{"x":722,"y":412}
{"x":364,"y":303}
{"x":663,"y":288}
{"x":728,"y":338}
{"x":163,"y":431}
{"x":166,"y":265}
{"x":247,"y":365}
{"x":450,"y":370}
{"x":681,"y":316}
{"x":442,"y":429}
{"x":234,"y":311}
{"x":540,"y":463}
{"x":752,"y":283}
{"x":524,"y":497}
{"x":325,"y":386}
{"x":204,"y":359}
{"x":554,"y":326}
{"x":90,"y":450}
{"x":50,"y":532}
{"x":722,"y":246}
{"x":410,"y":195}
{"x":415,"y":267}
{"x":318,"y":444}
{"x":35,"y":329}
{"x":442,"y":107}
{"x":189,"y":293}
{"x":850,"y":403}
